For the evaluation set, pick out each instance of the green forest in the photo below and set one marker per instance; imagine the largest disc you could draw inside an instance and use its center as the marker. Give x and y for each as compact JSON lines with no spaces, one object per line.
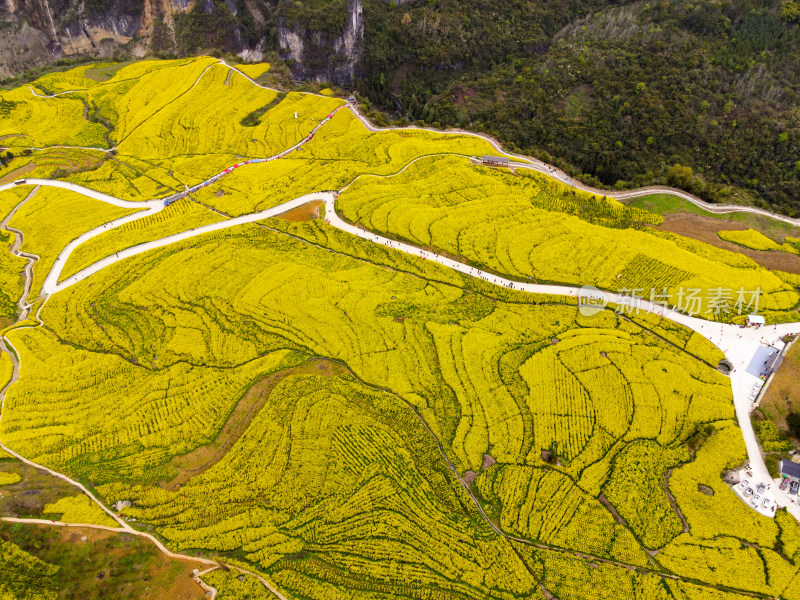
{"x":699,"y":94}
{"x":703,"y":95}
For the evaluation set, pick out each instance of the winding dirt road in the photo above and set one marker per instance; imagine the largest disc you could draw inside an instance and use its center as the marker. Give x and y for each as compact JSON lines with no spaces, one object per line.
{"x":19,"y":239}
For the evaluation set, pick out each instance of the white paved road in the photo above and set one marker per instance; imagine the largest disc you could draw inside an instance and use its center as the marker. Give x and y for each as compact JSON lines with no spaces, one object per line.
{"x":51,"y":286}
{"x":79,"y":189}
{"x":528,"y":162}
{"x":739,"y":345}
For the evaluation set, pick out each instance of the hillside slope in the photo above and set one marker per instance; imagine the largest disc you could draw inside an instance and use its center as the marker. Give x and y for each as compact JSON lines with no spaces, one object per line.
{"x":700,"y":95}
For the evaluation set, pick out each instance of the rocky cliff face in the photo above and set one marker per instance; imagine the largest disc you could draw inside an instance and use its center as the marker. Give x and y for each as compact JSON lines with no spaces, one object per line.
{"x":36,"y":32}
{"x":330,"y":54}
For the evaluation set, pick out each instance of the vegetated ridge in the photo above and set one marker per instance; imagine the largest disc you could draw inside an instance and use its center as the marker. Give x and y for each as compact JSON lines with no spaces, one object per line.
{"x":701,"y":96}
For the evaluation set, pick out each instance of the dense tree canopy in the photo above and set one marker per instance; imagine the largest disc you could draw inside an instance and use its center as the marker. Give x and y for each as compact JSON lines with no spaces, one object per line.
{"x":703,"y":95}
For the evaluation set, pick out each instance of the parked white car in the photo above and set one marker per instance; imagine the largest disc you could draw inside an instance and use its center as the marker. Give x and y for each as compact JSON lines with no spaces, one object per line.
{"x":756,"y":499}
{"x":767,"y":503}
{"x":744,"y":484}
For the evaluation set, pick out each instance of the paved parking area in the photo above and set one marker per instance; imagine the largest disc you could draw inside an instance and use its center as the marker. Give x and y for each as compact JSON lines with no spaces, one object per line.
{"x":763,"y":497}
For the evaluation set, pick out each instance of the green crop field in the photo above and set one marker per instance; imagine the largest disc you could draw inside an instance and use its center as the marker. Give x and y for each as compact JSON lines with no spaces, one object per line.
{"x":48,"y":563}
{"x":340,"y":418}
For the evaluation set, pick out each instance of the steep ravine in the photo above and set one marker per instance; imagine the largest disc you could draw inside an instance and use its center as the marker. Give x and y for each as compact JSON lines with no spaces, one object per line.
{"x":320,"y":52}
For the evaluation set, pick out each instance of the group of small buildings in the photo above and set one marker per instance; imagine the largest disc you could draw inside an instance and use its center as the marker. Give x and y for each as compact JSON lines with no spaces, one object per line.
{"x":768,"y":357}
{"x":773,"y":362}
{"x":790,"y":473}
{"x":766,"y":360}
{"x":494,"y":161}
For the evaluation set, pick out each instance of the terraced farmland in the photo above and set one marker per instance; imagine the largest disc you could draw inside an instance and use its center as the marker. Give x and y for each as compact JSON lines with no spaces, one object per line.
{"x":338,"y":416}
{"x":530,"y":227}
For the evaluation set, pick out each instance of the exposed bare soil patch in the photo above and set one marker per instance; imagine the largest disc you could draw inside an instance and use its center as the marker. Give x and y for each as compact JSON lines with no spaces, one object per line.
{"x":97,"y":564}
{"x":783,"y":394}
{"x":462,"y":94}
{"x":307,"y":212}
{"x":27,"y":498}
{"x":17,"y":173}
{"x":704,"y":489}
{"x":673,"y":504}
{"x":705,"y":229}
{"x":604,"y":501}
{"x":469,"y":477}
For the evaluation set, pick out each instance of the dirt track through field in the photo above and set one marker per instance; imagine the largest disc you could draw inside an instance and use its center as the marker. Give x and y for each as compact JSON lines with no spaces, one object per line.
{"x":19,"y":239}
{"x":203,"y":458}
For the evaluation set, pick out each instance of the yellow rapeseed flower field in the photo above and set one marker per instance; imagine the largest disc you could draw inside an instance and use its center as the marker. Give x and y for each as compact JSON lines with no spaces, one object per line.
{"x":79,"y":509}
{"x":6,"y":372}
{"x":29,"y":121}
{"x":354,"y":422}
{"x":177,"y":217}
{"x":521,"y":226}
{"x":750,"y":238}
{"x":484,"y":374}
{"x":54,"y":217}
{"x":254,"y":70}
{"x":232,"y":586}
{"x":11,"y":280}
{"x":9,"y":478}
